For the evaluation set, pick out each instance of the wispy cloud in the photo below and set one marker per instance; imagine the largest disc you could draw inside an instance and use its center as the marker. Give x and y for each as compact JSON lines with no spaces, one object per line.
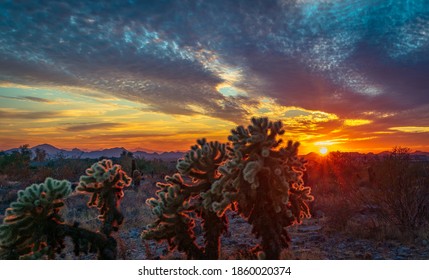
{"x":341,"y":64}
{"x":92,"y":126}
{"x":286,"y":50}
{"x":13,"y":114}
{"x":36,"y":99}
{"x":28,"y":98}
{"x":356,"y":122}
{"x":411,"y":129}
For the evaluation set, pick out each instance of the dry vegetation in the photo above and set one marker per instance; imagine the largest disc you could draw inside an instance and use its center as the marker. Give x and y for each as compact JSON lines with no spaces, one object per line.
{"x":384,"y":197}
{"x":360,"y":202}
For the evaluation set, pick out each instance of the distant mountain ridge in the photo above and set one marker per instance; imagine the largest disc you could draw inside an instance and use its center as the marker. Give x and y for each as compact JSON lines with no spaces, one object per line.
{"x":116,"y":152}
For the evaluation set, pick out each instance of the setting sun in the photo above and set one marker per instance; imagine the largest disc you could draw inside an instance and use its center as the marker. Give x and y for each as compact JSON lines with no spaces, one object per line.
{"x":323,"y":151}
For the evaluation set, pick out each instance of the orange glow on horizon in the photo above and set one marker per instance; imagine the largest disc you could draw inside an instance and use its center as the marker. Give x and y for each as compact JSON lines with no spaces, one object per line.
{"x":61,"y":121}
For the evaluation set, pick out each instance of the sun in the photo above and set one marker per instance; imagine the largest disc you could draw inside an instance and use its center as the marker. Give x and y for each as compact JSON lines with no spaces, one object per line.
{"x":323,"y":151}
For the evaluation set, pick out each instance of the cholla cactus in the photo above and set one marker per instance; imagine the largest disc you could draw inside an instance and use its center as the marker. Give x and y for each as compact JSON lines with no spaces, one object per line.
{"x":265,"y":181}
{"x":33,"y":227}
{"x":177,"y":198}
{"x":105,"y":182}
{"x":254,"y":176}
{"x":173,"y":222}
{"x":26,"y":229}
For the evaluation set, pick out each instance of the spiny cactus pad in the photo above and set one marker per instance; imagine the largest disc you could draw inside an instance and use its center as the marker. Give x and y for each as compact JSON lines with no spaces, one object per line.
{"x":105,"y":182}
{"x":264,"y":179}
{"x":253,"y":175}
{"x":176,"y":199}
{"x":26,"y":222}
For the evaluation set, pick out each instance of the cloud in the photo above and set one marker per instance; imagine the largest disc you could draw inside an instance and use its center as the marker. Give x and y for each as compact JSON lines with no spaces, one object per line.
{"x":13,"y":114}
{"x":130,"y":136}
{"x":28,"y":98}
{"x":411,"y":129}
{"x":92,"y":126}
{"x":356,"y":122}
{"x":340,"y":57}
{"x":37,"y":99}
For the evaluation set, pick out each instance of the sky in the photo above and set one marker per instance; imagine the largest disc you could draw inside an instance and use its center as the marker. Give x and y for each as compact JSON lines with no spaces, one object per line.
{"x":349,"y":75}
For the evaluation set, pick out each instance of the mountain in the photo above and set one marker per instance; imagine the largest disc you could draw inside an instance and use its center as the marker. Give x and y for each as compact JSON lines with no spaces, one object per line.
{"x":75,"y":153}
{"x":383,"y":154}
{"x":49,"y":149}
{"x":53,"y":152}
{"x":420,"y":153}
{"x":312,"y":156}
{"x":110,"y":153}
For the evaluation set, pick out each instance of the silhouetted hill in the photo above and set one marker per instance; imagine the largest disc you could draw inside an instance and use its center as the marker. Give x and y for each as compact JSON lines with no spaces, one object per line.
{"x":54,"y":152}
{"x":49,"y":149}
{"x":110,"y":153}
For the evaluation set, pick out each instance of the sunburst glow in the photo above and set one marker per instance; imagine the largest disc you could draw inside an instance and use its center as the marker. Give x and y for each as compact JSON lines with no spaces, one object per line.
{"x":323,"y":151}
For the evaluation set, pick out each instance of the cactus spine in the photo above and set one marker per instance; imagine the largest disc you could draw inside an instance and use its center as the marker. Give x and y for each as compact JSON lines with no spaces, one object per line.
{"x":265,"y":182}
{"x":33,"y":226}
{"x":26,"y":227}
{"x":105,"y":182}
{"x":252,"y":174}
{"x":176,"y":199}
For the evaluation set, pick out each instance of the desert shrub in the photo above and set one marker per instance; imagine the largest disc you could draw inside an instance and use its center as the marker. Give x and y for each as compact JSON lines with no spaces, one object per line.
{"x":346,"y":169}
{"x":338,"y":210}
{"x":336,"y":181}
{"x":69,"y":168}
{"x":400,"y":190}
{"x":137,"y":178}
{"x":34,"y":228}
{"x":253,"y":175}
{"x":16,"y":165}
{"x":125,"y":160}
{"x":39,"y":174}
{"x":147,"y":167}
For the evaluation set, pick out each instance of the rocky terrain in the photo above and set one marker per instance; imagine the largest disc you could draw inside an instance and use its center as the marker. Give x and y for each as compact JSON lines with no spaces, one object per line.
{"x":309,"y":241}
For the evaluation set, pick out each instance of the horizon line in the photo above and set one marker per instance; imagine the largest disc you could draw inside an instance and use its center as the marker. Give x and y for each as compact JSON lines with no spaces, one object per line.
{"x":139,"y":149}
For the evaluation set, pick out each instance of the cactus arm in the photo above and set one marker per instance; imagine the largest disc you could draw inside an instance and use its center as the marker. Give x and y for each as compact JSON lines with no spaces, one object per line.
{"x":33,"y":226}
{"x":266,"y":183}
{"x":105,"y":182}
{"x":176,"y":199}
{"x":25,"y":229}
{"x":252,"y":175}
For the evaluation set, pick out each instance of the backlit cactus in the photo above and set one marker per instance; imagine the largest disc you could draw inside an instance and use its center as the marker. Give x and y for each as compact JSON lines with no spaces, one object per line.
{"x":105,"y":182}
{"x":252,"y":175}
{"x":33,"y":227}
{"x":265,"y":181}
{"x":173,"y":222}
{"x":176,"y":199}
{"x":26,"y":227}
